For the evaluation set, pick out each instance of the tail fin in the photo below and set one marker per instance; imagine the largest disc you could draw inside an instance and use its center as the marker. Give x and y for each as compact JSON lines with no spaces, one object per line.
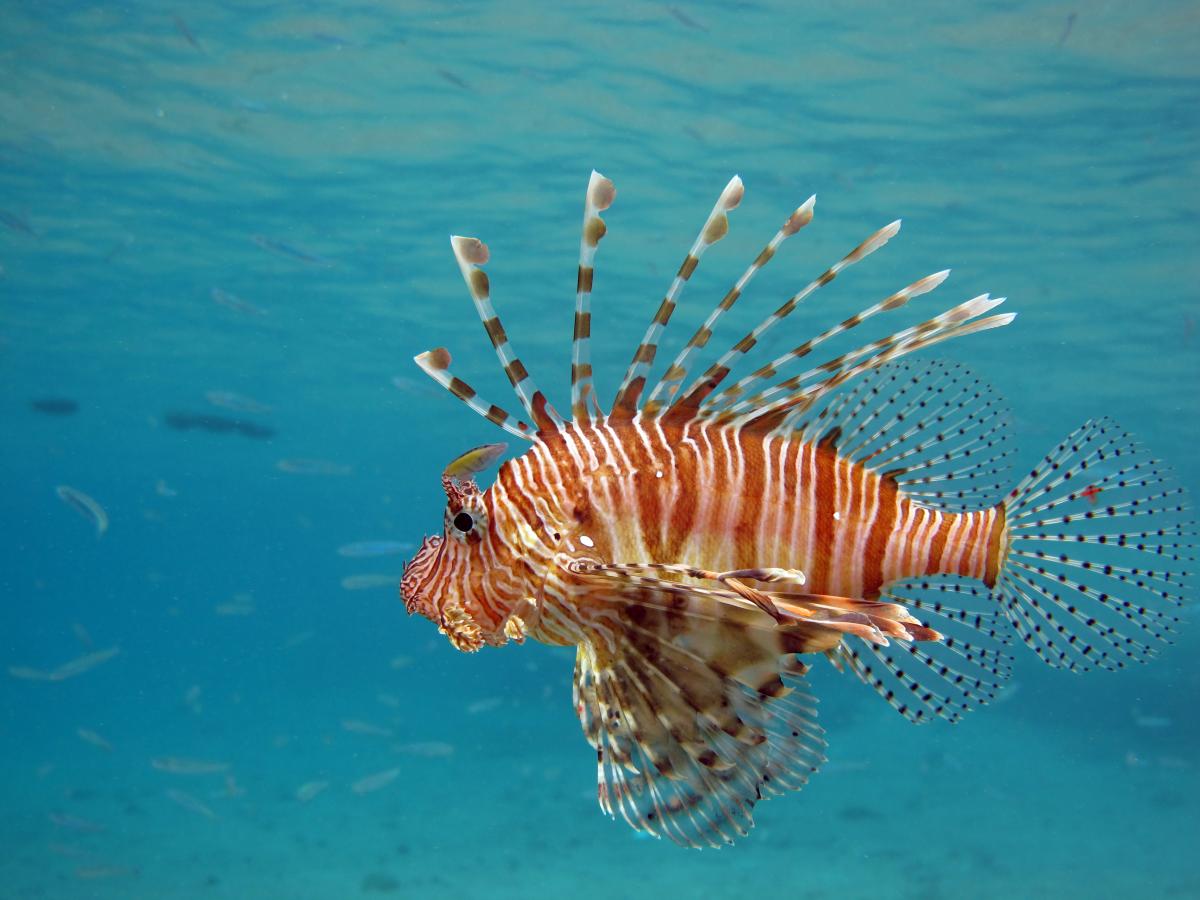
{"x":1099,"y":551}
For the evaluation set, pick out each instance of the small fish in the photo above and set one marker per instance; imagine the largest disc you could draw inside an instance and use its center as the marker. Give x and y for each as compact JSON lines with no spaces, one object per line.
{"x":373,"y":783}
{"x":366,"y":549}
{"x":453,"y":79}
{"x":279,"y":248}
{"x":91,"y":737}
{"x":190,"y":803}
{"x":234,"y":608}
{"x":312,"y":467}
{"x":85,"y":506}
{"x":16,"y":223}
{"x":236,"y":402}
{"x":25,"y":673}
{"x":164,"y":490}
{"x":369,"y":581}
{"x":707,"y":534}
{"x":182,"y":27}
{"x":81,"y":634}
{"x":82,"y":664}
{"x":684,"y":19}
{"x":54,"y":406}
{"x":237,"y":304}
{"x":474,"y":461}
{"x":356,"y":726}
{"x":485,"y":705}
{"x":177,"y":420}
{"x":310,"y":789}
{"x":390,"y":700}
{"x":180,"y":765}
{"x":1066,"y":32}
{"x":429,"y":749}
{"x":1152,"y":722}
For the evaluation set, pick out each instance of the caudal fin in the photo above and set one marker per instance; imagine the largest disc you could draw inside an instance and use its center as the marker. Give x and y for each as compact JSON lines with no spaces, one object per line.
{"x":1100,"y":552}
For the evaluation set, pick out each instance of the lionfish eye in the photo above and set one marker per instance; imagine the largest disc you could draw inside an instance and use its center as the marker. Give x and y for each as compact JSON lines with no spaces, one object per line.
{"x":463,"y":522}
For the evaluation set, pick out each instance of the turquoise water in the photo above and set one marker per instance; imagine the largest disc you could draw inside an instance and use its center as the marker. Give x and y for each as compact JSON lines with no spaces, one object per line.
{"x":1045,"y":152}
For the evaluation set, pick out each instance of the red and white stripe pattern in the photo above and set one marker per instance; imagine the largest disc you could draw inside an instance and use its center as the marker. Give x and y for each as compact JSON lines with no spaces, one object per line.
{"x":638,"y":492}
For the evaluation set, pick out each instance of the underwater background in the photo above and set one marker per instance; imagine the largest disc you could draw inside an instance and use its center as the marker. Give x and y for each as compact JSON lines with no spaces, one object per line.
{"x":223,"y":237}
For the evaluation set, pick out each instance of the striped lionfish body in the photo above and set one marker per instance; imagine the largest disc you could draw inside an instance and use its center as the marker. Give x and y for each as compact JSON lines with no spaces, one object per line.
{"x":701,"y":536}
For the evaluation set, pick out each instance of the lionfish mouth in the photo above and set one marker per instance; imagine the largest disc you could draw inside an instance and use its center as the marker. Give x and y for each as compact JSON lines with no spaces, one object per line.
{"x":416,"y":574}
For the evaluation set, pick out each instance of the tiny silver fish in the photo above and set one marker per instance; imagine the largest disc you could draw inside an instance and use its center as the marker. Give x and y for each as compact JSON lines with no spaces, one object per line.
{"x":279,"y":248}
{"x":190,"y":803}
{"x":16,"y":223}
{"x":236,"y":402}
{"x":237,"y":304}
{"x":429,"y":749}
{"x":310,"y":789}
{"x":179,"y":765}
{"x":357,"y":726}
{"x":91,"y":737}
{"x":85,"y":506}
{"x":368,"y":581}
{"x":82,"y":664}
{"x":372,"y":783}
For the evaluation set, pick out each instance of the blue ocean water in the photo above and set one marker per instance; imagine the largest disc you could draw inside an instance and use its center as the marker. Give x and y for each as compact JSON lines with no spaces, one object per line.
{"x":307,"y":161}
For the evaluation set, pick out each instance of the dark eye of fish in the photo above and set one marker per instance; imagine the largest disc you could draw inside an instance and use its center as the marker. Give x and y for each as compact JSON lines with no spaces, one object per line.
{"x":463,"y":522}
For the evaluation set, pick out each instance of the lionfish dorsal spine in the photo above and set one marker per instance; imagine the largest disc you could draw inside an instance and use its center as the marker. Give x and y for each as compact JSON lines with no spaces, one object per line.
{"x":712,"y":378}
{"x":716,"y":226}
{"x":600,"y":195}
{"x":678,"y":370}
{"x":436,"y":364}
{"x":738,"y":397}
{"x":472,"y":255}
{"x":783,"y":413}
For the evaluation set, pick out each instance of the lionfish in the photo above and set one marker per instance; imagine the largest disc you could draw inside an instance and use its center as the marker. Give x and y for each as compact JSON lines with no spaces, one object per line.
{"x":700,"y":538}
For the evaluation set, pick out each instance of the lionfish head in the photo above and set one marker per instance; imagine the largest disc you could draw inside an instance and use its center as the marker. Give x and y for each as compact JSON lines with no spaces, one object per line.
{"x":443,"y":580}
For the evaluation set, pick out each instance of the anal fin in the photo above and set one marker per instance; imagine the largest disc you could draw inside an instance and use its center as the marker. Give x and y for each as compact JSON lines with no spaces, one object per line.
{"x":943,"y":679}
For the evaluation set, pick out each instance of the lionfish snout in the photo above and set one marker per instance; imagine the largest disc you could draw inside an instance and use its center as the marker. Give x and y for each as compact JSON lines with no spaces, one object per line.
{"x":417,"y":574}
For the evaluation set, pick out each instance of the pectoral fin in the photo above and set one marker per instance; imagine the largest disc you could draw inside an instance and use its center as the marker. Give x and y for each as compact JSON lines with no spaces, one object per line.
{"x":693,"y":699}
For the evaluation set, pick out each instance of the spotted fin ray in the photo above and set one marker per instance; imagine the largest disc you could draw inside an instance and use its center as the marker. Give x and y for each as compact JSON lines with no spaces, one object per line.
{"x":1101,"y":552}
{"x":966,"y":669}
{"x":933,"y":426}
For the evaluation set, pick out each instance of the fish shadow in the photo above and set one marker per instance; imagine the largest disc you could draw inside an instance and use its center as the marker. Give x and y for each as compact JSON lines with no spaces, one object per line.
{"x":187,"y":421}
